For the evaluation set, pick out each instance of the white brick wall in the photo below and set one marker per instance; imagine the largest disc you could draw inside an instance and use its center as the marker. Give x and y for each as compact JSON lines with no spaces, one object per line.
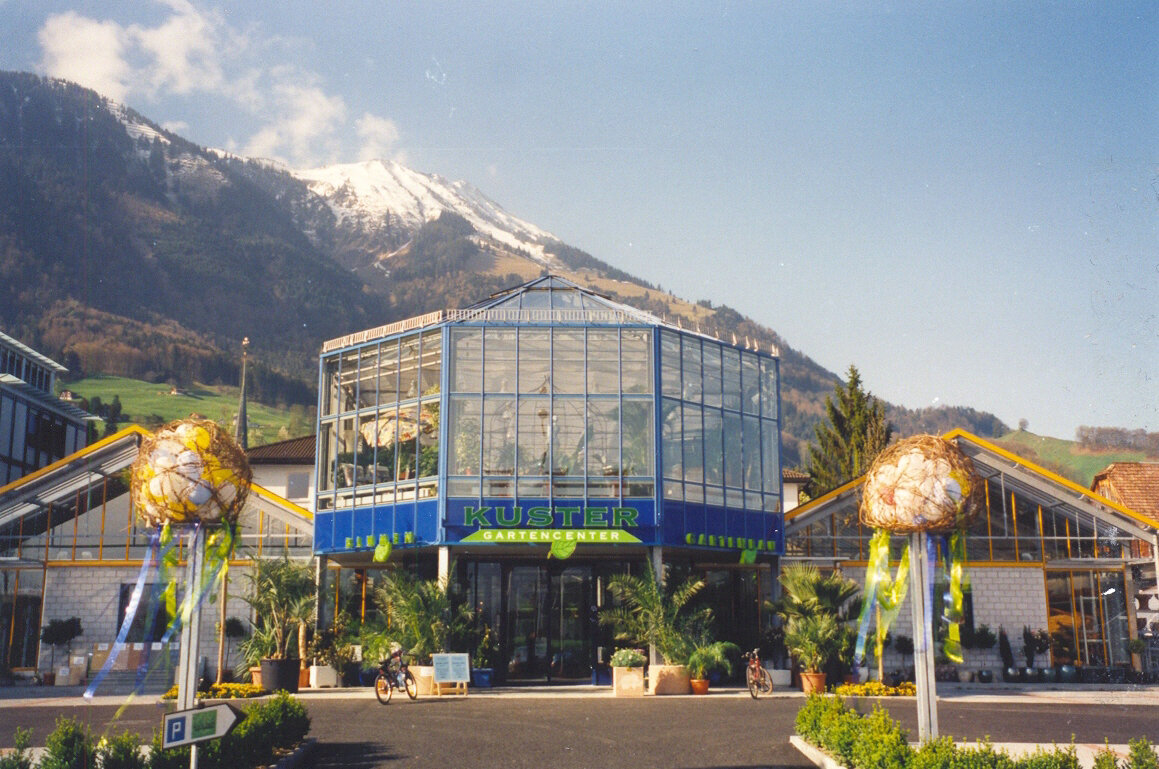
{"x":1006,"y":597}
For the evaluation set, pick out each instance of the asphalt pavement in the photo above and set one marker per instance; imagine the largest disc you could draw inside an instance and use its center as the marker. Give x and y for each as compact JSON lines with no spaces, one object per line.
{"x":586,"y":727}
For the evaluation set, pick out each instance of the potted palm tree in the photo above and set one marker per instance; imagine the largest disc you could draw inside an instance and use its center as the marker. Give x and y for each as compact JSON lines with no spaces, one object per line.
{"x":661,"y":617}
{"x":706,"y":658}
{"x":426,"y":617}
{"x":282,"y":594}
{"x":813,"y":640}
{"x":807,"y":592}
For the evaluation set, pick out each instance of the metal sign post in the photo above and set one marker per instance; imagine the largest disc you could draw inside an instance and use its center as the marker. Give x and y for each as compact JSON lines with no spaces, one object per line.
{"x":190,"y":659}
{"x":923,"y":641}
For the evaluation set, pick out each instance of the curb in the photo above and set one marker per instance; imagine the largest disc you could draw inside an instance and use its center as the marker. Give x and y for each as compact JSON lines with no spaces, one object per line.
{"x":301,"y":756}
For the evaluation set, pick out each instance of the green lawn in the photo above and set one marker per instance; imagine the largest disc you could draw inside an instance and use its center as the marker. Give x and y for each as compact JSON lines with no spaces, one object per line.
{"x":152,"y":405}
{"x":1064,"y":457}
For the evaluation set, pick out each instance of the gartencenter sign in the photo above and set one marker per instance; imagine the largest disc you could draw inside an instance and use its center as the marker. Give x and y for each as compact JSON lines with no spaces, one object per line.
{"x":549,"y":524}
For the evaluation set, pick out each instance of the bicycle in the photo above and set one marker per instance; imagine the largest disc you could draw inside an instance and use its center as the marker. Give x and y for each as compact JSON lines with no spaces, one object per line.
{"x":758,"y":679}
{"x":393,"y":673}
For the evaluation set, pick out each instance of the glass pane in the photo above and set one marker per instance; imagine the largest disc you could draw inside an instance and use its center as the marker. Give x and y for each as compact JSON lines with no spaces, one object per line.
{"x":1060,"y":618}
{"x":464,"y":431}
{"x":499,"y":363}
{"x":712,"y":374}
{"x":751,"y":447}
{"x":638,"y":437}
{"x":498,"y":435}
{"x":690,"y":360}
{"x":730,"y":384}
{"x":408,"y":367}
{"x":671,"y":439}
{"x":768,"y":388}
{"x":534,"y":420}
{"x":568,"y":427}
{"x":388,"y":372}
{"x":1029,"y":546}
{"x":568,"y":361}
{"x":603,"y":361}
{"x":603,"y":437}
{"x":327,"y":465}
{"x":329,"y":386}
{"x":714,"y":449}
{"x":368,"y":377}
{"x":670,"y":364}
{"x":1114,"y":612}
{"x":428,"y":464}
{"x":348,"y":377}
{"x":432,"y":364}
{"x":750,"y":383}
{"x":693,"y":444}
{"x":733,"y":468}
{"x":769,"y":456}
{"x":535,"y":360}
{"x":466,"y":360}
{"x":636,"y":360}
{"x":347,"y":440}
{"x":405,"y":446}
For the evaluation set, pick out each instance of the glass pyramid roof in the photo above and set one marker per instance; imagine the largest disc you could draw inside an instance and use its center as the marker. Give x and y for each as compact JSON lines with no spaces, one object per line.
{"x":557,"y":299}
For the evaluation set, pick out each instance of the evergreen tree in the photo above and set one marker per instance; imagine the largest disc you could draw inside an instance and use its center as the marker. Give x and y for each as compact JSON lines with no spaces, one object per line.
{"x":854,"y":434}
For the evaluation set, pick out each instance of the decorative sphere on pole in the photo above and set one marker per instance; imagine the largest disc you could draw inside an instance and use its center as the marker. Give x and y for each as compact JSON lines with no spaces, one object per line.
{"x":921,"y":483}
{"x":190,"y":471}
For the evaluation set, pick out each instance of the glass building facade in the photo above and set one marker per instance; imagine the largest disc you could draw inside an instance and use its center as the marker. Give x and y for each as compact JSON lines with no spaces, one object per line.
{"x":549,"y":420}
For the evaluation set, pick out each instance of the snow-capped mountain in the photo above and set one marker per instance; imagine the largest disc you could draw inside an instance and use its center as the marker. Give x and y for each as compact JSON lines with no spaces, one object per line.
{"x":379,"y":195}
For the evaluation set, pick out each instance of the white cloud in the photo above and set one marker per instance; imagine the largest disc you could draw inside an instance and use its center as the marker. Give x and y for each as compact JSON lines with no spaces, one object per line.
{"x":196,"y":54}
{"x":378,"y":136}
{"x":88,"y":52}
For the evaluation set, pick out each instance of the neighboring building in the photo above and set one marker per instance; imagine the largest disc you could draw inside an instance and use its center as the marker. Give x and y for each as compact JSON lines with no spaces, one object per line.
{"x":1044,"y":553}
{"x":544,"y":419}
{"x":71,"y":545}
{"x":36,"y":428}
{"x":286,"y":468}
{"x":793,"y":484}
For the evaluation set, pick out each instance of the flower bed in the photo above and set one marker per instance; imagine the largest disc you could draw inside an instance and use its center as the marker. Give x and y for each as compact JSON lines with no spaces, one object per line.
{"x":877,"y":689}
{"x":876,"y":741}
{"x":223,"y":692}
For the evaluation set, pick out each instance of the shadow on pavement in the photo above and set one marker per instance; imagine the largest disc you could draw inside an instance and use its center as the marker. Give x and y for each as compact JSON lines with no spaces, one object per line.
{"x":359,"y":755}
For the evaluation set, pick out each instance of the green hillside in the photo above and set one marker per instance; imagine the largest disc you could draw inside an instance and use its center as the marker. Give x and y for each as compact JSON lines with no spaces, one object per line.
{"x":151,"y":405}
{"x":1066,"y":458}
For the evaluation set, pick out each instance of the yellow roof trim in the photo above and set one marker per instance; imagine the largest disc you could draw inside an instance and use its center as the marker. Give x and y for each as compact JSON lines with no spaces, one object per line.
{"x":102,"y":443}
{"x":270,"y":496}
{"x":796,"y":511}
{"x":1055,"y":477}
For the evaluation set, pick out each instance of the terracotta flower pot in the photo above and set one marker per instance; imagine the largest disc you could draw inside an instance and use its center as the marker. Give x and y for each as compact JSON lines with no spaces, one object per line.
{"x":812,"y":683}
{"x":699,"y":685}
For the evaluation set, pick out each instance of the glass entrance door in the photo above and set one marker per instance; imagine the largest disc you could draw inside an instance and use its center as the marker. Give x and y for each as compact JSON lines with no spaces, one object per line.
{"x":551,"y":625}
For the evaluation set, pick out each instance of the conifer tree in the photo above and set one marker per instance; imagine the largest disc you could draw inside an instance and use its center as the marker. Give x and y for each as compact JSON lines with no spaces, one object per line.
{"x":854,"y":434}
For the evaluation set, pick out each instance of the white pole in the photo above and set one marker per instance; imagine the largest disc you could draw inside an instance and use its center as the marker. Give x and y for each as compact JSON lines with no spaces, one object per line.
{"x":923,"y":642}
{"x":188,"y":669}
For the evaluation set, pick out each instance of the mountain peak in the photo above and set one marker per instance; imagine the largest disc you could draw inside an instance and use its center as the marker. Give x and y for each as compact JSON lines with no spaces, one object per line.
{"x":369,"y":194}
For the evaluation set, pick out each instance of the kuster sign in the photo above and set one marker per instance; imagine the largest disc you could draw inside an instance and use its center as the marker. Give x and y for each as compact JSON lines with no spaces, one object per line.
{"x":544,"y":517}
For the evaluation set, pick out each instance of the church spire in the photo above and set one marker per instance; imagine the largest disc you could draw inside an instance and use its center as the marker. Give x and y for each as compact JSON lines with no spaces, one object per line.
{"x":241,"y":434}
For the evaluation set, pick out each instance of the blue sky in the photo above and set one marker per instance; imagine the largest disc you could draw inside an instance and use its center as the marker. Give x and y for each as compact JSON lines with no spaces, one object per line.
{"x":958,"y":197}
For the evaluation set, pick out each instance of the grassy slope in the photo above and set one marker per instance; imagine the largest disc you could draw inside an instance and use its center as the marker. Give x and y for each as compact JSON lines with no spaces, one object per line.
{"x":1064,"y":457}
{"x":150,"y":405}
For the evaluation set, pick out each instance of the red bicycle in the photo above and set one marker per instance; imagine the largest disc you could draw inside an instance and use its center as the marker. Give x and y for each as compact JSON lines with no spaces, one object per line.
{"x":758,"y":679}
{"x":394,"y":674}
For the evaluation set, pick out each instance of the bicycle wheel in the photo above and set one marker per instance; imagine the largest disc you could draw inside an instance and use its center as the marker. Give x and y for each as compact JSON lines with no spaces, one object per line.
{"x":382,"y":689}
{"x":753,"y":683}
{"x":766,"y":682}
{"x":412,"y":686}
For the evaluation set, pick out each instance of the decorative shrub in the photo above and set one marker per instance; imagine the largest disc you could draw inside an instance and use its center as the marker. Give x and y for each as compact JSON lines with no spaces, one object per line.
{"x":1057,"y":758}
{"x":1106,"y":758}
{"x":1141,"y":755}
{"x":881,"y":743}
{"x":935,"y":754}
{"x":69,"y":746}
{"x":19,"y":758}
{"x":120,"y":752}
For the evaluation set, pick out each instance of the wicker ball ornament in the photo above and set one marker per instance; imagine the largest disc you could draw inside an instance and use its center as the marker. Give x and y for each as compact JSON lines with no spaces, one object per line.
{"x":922,"y":483}
{"x":189,"y":471}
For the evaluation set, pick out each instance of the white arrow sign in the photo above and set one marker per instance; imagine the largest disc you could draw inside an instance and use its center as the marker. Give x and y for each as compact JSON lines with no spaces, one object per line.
{"x":188,"y":726}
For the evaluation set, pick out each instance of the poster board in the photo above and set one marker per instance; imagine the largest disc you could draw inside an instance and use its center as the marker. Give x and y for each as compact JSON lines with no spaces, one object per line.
{"x":452,"y":672}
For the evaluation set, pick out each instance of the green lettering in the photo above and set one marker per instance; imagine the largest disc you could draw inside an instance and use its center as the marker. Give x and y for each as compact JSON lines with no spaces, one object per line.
{"x":595,"y":516}
{"x":472,"y":516}
{"x":503,"y":520}
{"x":624,"y":516}
{"x":568,"y":514}
{"x":539,"y":516}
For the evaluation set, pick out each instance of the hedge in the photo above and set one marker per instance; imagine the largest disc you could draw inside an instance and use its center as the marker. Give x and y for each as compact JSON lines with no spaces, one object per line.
{"x":876,"y":741}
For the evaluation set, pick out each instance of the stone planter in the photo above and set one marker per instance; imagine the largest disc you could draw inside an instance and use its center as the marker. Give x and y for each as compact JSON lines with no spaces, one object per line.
{"x":424,"y":677}
{"x":781,"y":677}
{"x":669,"y":679}
{"x":965,"y":676}
{"x":812,"y":683}
{"x":628,"y":682}
{"x":323,"y":677}
{"x":256,"y":676}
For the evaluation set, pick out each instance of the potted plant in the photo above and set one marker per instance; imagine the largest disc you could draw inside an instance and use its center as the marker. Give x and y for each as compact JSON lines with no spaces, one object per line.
{"x":426,"y":617}
{"x":709,"y":657}
{"x":332,"y":650}
{"x":905,"y":646}
{"x":627,"y":672}
{"x":255,"y":647}
{"x":807,"y":591}
{"x":484,"y":660}
{"x":983,"y":638}
{"x":813,"y":640}
{"x":282,"y":595}
{"x":661,"y":617}
{"x":59,"y":632}
{"x":776,"y":656}
{"x":1034,"y":642}
{"x":1009,"y":672}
